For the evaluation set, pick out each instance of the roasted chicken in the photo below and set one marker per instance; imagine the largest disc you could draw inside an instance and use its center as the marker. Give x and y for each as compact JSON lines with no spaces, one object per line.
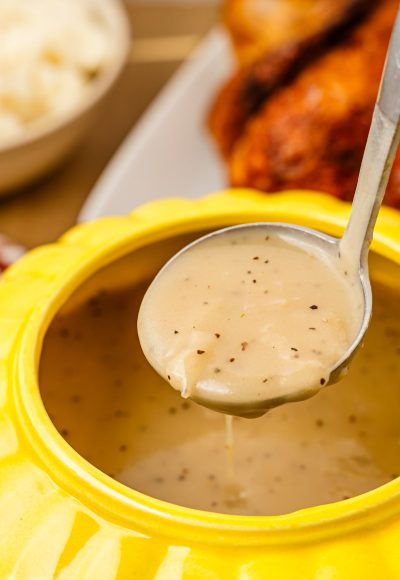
{"x":298,"y":117}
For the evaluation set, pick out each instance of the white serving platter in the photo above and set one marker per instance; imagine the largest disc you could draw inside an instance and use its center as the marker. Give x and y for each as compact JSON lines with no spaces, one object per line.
{"x":169,"y":152}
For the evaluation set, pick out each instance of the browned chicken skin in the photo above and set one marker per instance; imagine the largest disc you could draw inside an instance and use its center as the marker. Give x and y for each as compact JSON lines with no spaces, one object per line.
{"x":307,"y":128}
{"x":245,"y":93}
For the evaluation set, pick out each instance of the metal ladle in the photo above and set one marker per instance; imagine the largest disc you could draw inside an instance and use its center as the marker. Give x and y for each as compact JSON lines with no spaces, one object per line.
{"x":375,"y":170}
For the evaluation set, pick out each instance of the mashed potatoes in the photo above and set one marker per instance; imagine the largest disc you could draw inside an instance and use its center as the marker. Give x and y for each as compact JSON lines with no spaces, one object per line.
{"x":50,"y":53}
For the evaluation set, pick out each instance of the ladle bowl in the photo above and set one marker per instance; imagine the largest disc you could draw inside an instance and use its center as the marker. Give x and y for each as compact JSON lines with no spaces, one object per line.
{"x":300,"y":236}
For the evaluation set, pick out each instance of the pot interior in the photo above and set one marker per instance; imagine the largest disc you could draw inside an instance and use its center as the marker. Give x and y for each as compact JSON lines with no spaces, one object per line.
{"x":116,"y":412}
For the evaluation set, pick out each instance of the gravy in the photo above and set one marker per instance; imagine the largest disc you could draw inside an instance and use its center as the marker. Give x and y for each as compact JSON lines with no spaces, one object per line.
{"x":118,"y":413}
{"x":244,"y":318}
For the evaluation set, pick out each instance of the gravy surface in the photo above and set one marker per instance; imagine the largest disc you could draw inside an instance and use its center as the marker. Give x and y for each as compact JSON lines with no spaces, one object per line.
{"x":118,"y":413}
{"x":243,"y":318}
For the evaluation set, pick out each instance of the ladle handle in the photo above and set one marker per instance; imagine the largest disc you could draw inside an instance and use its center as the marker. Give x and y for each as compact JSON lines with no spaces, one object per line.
{"x":379,"y":154}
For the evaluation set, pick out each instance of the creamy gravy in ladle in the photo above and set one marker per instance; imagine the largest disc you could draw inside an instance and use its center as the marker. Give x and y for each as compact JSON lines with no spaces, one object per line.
{"x":244,"y":317}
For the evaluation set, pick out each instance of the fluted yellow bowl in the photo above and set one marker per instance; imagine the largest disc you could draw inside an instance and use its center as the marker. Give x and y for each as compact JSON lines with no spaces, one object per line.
{"x":61,"y":517}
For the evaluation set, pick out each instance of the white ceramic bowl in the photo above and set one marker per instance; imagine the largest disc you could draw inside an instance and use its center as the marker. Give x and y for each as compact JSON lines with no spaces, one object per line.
{"x":42,"y":147}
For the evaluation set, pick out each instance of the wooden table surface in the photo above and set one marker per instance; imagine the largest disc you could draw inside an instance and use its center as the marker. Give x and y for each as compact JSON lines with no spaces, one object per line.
{"x":162,"y":34}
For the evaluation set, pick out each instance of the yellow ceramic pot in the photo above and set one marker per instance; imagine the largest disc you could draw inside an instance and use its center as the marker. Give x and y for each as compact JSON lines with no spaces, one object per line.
{"x":61,"y":517}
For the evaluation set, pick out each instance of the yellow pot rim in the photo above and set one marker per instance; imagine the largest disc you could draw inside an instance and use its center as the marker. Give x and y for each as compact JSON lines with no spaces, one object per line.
{"x":60,"y":268}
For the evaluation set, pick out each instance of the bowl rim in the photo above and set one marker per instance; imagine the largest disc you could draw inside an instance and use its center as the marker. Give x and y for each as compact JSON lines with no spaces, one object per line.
{"x":95,"y":245}
{"x":46,"y":127}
